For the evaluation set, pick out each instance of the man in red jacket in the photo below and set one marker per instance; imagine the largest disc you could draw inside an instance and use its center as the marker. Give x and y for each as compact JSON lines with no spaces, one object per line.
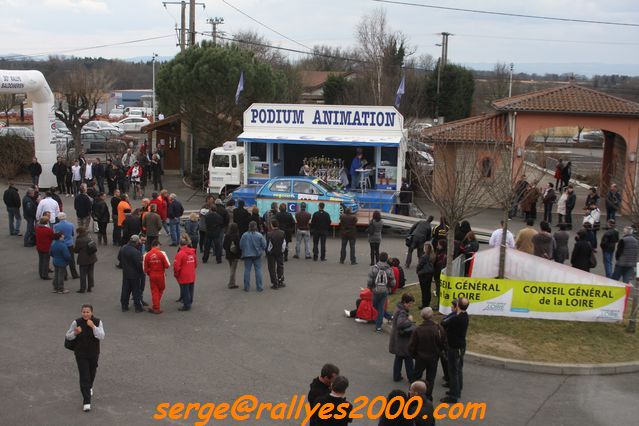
{"x":155,"y":262}
{"x":184,"y":266}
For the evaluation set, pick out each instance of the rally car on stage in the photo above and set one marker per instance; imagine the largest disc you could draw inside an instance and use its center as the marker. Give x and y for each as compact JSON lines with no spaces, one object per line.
{"x":293,"y":190}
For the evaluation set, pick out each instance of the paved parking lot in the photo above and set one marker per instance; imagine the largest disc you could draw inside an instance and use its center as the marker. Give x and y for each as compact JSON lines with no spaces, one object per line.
{"x":271,"y":344}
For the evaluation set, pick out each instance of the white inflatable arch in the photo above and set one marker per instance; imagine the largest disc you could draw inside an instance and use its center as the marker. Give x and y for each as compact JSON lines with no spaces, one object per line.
{"x":35,"y":86}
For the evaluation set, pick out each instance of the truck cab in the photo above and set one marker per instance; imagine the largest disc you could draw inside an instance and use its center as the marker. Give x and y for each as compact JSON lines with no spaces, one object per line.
{"x":226,"y":168}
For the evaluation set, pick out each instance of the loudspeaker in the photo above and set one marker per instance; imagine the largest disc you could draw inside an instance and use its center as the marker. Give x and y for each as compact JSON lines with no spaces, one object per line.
{"x":203,"y":155}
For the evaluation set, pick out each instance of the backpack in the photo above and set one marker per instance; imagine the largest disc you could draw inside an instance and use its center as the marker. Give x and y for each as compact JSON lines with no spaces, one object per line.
{"x":381,"y":282}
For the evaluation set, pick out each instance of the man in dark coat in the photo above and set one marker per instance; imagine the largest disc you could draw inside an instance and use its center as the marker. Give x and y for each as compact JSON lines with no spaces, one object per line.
{"x":336,"y":405}
{"x":117,"y":231}
{"x":426,"y":416}
{"x":608,"y":245}
{"x":241,"y":216}
{"x":29,"y":209}
{"x":99,"y":173}
{"x":570,"y":205}
{"x":320,"y":228}
{"x":456,"y":327}
{"x":83,"y":204}
{"x":35,"y":170}
{"x":132,"y":225}
{"x":59,"y":170}
{"x":348,"y":231}
{"x":426,"y":344}
{"x":287,"y":224}
{"x":11,"y":200}
{"x":626,"y":256}
{"x":275,"y":246}
{"x":101,"y":217}
{"x":613,"y":202}
{"x":214,"y":227}
{"x":419,"y":234}
{"x":400,"y":336}
{"x":549,"y":198}
{"x":321,"y":386}
{"x":130,"y":260}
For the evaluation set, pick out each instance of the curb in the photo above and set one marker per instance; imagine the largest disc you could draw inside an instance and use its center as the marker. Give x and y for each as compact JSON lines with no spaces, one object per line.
{"x":554,"y":368}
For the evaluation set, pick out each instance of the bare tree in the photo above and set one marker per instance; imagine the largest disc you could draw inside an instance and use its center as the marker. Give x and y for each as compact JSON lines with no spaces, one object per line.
{"x":499,"y":81}
{"x":260,"y":46}
{"x":630,"y":203}
{"x":78,"y":94}
{"x":7,"y":101}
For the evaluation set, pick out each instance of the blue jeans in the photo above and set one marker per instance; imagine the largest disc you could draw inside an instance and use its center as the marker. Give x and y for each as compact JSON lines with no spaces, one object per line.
{"x":29,"y":234}
{"x":14,"y":216}
{"x":379,"y":302}
{"x":165,"y":226}
{"x":186,"y":294}
{"x":174,"y":227}
{"x":397,"y":367}
{"x":607,"y":261}
{"x":253,"y":262}
{"x":626,"y":273}
{"x":611,"y":214}
{"x":306,"y":236}
{"x":455,"y":371}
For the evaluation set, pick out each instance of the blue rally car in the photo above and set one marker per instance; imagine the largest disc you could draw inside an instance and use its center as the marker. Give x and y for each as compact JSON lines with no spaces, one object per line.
{"x":293,"y":190}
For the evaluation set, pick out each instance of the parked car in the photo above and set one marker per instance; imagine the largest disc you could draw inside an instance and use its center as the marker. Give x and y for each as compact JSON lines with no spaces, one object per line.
{"x":22,"y":132}
{"x":98,"y":126}
{"x":116,"y":114}
{"x":61,"y":127}
{"x":132,"y":124}
{"x":98,"y":142}
{"x":595,"y":136}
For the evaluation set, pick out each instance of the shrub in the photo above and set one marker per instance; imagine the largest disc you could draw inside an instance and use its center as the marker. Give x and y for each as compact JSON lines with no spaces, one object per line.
{"x":16,"y":153}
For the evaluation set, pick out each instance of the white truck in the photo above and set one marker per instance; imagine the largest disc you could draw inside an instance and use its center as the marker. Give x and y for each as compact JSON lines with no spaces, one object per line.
{"x":226,"y":168}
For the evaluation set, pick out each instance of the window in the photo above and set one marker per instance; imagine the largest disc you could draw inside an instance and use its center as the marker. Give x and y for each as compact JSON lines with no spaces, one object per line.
{"x":487,"y":167}
{"x":220,"y":160}
{"x":258,"y":151}
{"x":234,"y":161}
{"x":389,"y":157}
{"x":303,"y":187}
{"x":276,"y":153}
{"x":241,"y":158}
{"x":281,"y":186}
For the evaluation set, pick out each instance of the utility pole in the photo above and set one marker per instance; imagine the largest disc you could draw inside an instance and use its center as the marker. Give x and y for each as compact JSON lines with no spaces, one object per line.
{"x":510,"y":85}
{"x":443,"y":60}
{"x":214,"y":23}
{"x":192,"y":4}
{"x":155,"y":55}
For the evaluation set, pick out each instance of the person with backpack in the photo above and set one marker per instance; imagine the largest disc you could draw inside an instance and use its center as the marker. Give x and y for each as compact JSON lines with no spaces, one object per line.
{"x":86,"y":249}
{"x":275,"y":249}
{"x":381,"y":281}
{"x":232,"y":249}
{"x":83,"y":338}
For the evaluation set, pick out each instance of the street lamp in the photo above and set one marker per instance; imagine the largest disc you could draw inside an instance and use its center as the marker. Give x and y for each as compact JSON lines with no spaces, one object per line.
{"x":155,"y":55}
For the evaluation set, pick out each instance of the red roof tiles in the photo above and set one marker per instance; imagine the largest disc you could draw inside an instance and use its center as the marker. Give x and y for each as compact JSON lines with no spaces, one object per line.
{"x":484,"y":128}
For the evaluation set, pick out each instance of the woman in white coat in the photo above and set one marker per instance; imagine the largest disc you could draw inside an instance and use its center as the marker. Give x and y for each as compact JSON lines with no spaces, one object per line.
{"x":561,"y":206}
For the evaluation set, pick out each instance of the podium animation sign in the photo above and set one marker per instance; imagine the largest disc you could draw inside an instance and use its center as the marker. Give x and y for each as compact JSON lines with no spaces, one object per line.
{"x":531,"y":299}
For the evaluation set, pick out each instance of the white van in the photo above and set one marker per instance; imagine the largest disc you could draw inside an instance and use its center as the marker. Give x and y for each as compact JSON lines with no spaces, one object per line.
{"x":226,"y":168}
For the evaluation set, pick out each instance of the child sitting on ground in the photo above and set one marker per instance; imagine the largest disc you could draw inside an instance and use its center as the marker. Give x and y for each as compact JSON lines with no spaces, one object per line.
{"x":364,"y":311}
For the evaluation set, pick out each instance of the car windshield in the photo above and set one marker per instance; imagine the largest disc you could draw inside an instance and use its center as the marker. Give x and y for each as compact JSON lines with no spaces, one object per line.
{"x":325,"y":186}
{"x":220,"y":160}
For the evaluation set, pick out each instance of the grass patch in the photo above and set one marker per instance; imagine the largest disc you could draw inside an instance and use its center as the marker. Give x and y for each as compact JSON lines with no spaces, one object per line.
{"x":543,"y":340}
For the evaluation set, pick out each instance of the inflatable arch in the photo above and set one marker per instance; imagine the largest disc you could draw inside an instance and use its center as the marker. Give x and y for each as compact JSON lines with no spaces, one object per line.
{"x":35,"y":86}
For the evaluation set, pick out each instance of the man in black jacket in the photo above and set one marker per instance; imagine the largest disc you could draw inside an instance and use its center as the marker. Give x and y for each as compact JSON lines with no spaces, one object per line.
{"x":83,"y":205}
{"x":337,"y":409}
{"x":287,"y":224}
{"x":608,"y":245}
{"x":130,"y":260}
{"x":174,"y":214}
{"x":99,"y":173}
{"x":29,"y":209}
{"x":241,"y":216}
{"x":418,"y":235}
{"x":117,"y":231}
{"x":320,"y":228}
{"x":214,"y":228}
{"x":426,"y":344}
{"x":101,"y":217}
{"x":275,"y":246}
{"x":570,"y":205}
{"x":59,"y":170}
{"x":613,"y":202}
{"x":321,"y":386}
{"x":12,"y":201}
{"x":35,"y":170}
{"x":456,"y":327}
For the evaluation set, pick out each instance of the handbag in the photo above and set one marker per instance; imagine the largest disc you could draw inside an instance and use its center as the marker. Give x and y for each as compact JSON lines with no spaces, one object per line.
{"x":70,"y":344}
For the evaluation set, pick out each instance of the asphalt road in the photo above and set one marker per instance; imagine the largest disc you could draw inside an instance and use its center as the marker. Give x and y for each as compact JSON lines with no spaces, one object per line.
{"x":270,"y":344}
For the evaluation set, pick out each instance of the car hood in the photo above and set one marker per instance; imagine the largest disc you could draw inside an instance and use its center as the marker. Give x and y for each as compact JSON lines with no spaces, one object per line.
{"x":342,"y":196}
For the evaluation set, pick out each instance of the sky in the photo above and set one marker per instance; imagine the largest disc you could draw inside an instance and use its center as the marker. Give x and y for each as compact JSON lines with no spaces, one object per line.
{"x":33,"y":27}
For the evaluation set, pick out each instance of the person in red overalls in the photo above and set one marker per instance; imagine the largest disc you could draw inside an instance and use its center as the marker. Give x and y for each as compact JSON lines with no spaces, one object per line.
{"x":155,"y":263}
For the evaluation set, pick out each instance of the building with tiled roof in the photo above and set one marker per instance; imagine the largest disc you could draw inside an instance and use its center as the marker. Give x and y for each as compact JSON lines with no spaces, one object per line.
{"x":313,"y":84}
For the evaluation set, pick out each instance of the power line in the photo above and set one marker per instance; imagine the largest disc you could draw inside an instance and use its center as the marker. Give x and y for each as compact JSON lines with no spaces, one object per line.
{"x":516,"y":15}
{"x":87,"y":48}
{"x":266,"y":26}
{"x":620,"y":43}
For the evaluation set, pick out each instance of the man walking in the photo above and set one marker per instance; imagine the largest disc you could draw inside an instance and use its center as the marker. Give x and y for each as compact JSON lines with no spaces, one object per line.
{"x":35,"y":170}
{"x":275,"y":247}
{"x":549,"y":198}
{"x":320,"y":228}
{"x":303,"y":219}
{"x":426,"y":343}
{"x":608,"y":245}
{"x":83,"y":207}
{"x":419,"y":234}
{"x":12,"y":201}
{"x":456,"y":327}
{"x":130,"y":259}
{"x":252,"y":246}
{"x":68,"y":230}
{"x":613,"y":202}
{"x":155,"y":264}
{"x":175,"y":212}
{"x":627,"y":251}
{"x":29,"y":210}
{"x":348,"y":231}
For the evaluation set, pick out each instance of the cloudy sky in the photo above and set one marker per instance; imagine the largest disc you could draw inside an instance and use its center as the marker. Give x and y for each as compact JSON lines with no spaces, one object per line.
{"x":31,"y":27}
